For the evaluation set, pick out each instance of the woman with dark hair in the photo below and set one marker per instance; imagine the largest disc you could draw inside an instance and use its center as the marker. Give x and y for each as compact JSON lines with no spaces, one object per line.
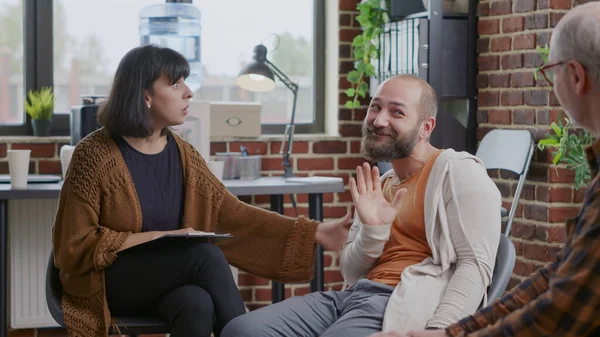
{"x":133,"y":181}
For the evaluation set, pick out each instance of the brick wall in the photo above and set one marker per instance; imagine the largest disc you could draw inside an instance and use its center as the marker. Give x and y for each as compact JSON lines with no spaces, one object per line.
{"x":510,"y":97}
{"x":327,"y":156}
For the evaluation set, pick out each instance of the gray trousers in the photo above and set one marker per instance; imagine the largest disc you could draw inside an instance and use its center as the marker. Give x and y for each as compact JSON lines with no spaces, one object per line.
{"x":357,"y":311}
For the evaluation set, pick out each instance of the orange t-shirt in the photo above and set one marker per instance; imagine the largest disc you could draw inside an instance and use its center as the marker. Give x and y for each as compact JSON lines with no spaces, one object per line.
{"x":408,"y":242}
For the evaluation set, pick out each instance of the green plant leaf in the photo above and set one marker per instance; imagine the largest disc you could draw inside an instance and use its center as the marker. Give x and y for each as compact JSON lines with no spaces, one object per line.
{"x":349,"y":105}
{"x":356,"y":104}
{"x":350,"y":92}
{"x":353,"y":76}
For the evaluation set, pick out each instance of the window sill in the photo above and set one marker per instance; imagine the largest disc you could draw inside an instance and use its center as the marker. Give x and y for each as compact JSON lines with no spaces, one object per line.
{"x":277,"y":138}
{"x":34,"y":139}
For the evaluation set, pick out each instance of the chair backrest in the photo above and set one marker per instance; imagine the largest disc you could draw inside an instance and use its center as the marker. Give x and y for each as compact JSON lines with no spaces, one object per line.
{"x":505,"y":263}
{"x":506,"y":149}
{"x":509,"y":150}
{"x":54,"y":291}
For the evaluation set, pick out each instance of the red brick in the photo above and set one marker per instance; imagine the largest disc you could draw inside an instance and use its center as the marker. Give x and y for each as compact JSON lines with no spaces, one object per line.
{"x":483,"y":9}
{"x":333,"y":276}
{"x":511,"y":98}
{"x":500,"y":44}
{"x":557,"y":234}
{"x":2,"y":150}
{"x":482,"y":81}
{"x":312,"y":164}
{"x":262,"y":294}
{"x":350,"y":130}
{"x":532,"y":60}
{"x":523,"y":116}
{"x":482,"y":116}
{"x":253,"y":148}
{"x":345,"y":114}
{"x":535,"y":212}
{"x":289,"y":211}
{"x":359,"y":115}
{"x":297,"y":147}
{"x":345,"y":51}
{"x":216,"y":147}
{"x":499,"y":80}
{"x":523,"y":268}
{"x":347,"y":5}
{"x":535,"y":251}
{"x":536,"y":21}
{"x":488,"y":26}
{"x":562,"y":214}
{"x":512,"y":61}
{"x":350,"y":163}
{"x":345,"y":19}
{"x":542,"y":38}
{"x":555,"y":18}
{"x":561,"y":175}
{"x":500,"y":7}
{"x":346,"y":67}
{"x":522,"y":79}
{"x":521,"y":6}
{"x":330,"y":147}
{"x":556,"y":115}
{"x":488,"y":62}
{"x":560,"y":4}
{"x":49,"y":167}
{"x":525,"y":41}
{"x":483,"y":45}
{"x":273,"y":164}
{"x":561,"y":194}
{"x":301,"y":291}
{"x":348,"y":34}
{"x":37,"y":150}
{"x":334,"y":212}
{"x":355,"y":147}
{"x":344,"y":196}
{"x":536,"y":97}
{"x":499,"y":117}
{"x":579,"y":195}
{"x":488,"y":98}
{"x":513,"y":24}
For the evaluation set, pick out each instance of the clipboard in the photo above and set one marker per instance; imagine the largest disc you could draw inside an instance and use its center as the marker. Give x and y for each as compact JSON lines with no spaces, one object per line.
{"x":168,"y":239}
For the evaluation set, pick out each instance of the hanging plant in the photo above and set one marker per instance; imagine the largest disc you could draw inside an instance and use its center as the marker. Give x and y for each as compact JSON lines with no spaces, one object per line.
{"x":365,"y":47}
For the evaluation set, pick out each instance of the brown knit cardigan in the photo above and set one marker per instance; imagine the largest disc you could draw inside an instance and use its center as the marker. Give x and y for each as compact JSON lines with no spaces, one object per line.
{"x":99,"y":208}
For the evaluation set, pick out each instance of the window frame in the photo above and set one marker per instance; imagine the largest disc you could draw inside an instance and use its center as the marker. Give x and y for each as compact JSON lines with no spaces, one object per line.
{"x":39,"y":69}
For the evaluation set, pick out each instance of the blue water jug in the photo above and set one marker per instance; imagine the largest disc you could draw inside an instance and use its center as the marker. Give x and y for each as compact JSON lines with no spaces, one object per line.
{"x":176,"y":26}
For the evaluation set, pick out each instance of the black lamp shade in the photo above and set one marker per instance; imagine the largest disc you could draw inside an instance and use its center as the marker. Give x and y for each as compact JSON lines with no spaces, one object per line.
{"x":256,"y":76}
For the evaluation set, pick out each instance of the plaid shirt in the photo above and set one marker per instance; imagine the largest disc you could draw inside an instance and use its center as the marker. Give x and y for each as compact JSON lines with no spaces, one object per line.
{"x":562,"y":299}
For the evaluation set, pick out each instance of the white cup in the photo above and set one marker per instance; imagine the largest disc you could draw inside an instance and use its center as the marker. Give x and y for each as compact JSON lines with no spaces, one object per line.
{"x":217,"y":168}
{"x":18,"y":167}
{"x":66,"y":152}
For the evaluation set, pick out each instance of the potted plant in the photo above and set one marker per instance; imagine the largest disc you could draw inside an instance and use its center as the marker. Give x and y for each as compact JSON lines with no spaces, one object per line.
{"x":568,"y":148}
{"x":40,"y":107}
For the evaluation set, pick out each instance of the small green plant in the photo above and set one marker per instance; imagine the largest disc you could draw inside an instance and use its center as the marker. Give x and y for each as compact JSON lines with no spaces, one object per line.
{"x":543,"y":52}
{"x":40,"y":104}
{"x":569,"y":149}
{"x":365,"y":47}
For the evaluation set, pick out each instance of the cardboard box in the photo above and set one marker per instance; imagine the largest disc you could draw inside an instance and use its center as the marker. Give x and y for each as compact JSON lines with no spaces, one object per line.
{"x":235,"y":119}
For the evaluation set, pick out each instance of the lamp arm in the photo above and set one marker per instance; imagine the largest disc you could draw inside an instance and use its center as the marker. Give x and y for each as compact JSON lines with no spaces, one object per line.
{"x":289,"y":130}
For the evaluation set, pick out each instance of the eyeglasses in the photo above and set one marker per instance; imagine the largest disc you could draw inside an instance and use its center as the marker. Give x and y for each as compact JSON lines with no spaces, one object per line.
{"x":548,"y":73}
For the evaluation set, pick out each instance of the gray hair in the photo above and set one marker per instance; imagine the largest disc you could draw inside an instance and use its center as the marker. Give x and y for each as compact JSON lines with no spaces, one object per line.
{"x":577,"y":37}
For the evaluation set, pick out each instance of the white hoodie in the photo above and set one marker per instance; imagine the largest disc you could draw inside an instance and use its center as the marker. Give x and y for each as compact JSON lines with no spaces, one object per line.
{"x":462,"y":224}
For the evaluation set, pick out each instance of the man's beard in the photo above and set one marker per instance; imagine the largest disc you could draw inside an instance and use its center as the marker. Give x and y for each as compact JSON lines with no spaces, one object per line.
{"x":395,"y":147}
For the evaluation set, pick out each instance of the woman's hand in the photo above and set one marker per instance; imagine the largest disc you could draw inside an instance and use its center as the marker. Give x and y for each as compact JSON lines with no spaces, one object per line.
{"x":332,"y":235}
{"x":373,"y":209}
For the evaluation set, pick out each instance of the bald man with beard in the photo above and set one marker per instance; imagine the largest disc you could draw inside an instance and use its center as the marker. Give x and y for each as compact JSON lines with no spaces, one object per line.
{"x":422,"y":247}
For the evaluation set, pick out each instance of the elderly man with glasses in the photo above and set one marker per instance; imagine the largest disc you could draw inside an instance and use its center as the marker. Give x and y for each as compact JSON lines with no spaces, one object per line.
{"x":562,"y":299}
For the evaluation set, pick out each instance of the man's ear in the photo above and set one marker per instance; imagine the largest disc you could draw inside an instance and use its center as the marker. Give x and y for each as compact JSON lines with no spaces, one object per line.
{"x":578,"y":75}
{"x":427,"y":127}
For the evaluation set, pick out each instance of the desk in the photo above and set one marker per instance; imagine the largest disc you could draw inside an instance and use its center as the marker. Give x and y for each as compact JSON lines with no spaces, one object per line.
{"x":276,"y":187}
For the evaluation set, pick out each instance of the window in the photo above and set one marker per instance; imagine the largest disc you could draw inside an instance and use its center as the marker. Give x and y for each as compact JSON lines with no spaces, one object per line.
{"x":90,"y":38}
{"x":11,"y":63}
